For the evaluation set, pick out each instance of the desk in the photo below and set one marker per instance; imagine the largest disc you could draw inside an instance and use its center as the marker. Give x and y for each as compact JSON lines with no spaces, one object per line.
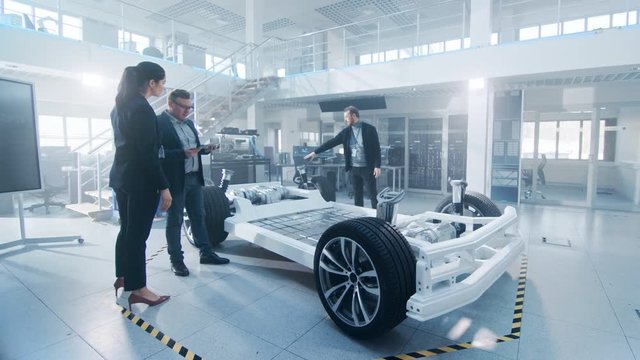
{"x":393,"y":170}
{"x":245,"y":170}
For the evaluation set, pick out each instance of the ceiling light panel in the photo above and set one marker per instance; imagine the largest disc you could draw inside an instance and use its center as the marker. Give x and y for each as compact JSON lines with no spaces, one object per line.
{"x":202,"y":12}
{"x":277,"y":24}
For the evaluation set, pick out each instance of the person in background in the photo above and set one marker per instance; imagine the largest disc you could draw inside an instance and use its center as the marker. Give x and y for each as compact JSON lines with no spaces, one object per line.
{"x":361,"y":154}
{"x":137,"y":177}
{"x":183,"y":167}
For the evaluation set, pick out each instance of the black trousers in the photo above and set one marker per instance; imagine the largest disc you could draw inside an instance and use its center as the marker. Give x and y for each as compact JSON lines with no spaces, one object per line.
{"x":363,"y":176}
{"x":137,"y":210}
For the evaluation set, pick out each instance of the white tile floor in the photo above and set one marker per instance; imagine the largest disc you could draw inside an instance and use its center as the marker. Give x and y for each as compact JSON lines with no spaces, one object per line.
{"x":57,"y":302}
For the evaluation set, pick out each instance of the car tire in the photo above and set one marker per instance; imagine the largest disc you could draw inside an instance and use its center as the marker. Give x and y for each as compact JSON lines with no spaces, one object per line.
{"x":373,"y":262}
{"x":216,"y":207}
{"x":474,"y":204}
{"x":327,"y":191}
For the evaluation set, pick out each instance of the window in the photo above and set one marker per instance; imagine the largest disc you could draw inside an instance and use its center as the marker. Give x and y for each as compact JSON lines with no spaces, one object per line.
{"x":466,"y":43}
{"x":405,"y":53}
{"x":72,"y":27}
{"x":436,"y":47}
{"x":494,"y":39}
{"x":633,"y":18}
{"x":391,"y":55}
{"x":549,"y":30}
{"x":573,"y":26}
{"x":528,"y":33}
{"x":281,"y":72}
{"x":453,"y":45}
{"x":365,"y":59}
{"x":598,"y":22}
{"x":569,"y":140}
{"x":132,"y":42}
{"x":14,"y":7}
{"x":77,"y":132}
{"x":242,"y":70}
{"x":46,"y":21}
{"x":528,"y":139}
{"x":586,"y":140}
{"x":547,"y":139}
{"x":208,"y":61}
{"x":51,"y":130}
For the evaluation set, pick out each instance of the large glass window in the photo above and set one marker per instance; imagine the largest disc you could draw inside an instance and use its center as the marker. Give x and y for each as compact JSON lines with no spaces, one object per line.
{"x":46,"y":21}
{"x":528,"y":33}
{"x":598,"y":22}
{"x":549,"y":30}
{"x":453,"y":45}
{"x":72,"y":27}
{"x":573,"y":26}
{"x":51,"y":130}
{"x":14,"y":7}
{"x":547,"y":139}
{"x":569,"y":140}
{"x":132,"y":42}
{"x":528,"y":139}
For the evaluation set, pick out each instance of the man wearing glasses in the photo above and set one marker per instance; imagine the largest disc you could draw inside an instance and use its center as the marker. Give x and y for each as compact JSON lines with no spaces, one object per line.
{"x":183,"y":168}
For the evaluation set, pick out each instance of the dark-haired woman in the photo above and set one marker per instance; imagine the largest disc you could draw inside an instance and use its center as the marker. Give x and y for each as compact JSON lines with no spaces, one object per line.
{"x":137,"y":177}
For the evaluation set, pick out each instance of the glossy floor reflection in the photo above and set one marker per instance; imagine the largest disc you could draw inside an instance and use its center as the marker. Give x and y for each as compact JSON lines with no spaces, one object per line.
{"x":57,"y":301}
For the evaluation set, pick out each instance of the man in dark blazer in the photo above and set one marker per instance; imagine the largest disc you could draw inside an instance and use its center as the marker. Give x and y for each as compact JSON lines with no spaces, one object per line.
{"x":361,"y":154}
{"x":183,"y":168}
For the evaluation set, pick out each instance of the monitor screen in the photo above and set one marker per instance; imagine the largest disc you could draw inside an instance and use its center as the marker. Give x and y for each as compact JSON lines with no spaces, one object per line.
{"x":19,"y":161}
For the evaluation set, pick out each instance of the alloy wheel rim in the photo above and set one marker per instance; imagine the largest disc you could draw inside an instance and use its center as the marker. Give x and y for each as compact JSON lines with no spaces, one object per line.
{"x":349,"y":281}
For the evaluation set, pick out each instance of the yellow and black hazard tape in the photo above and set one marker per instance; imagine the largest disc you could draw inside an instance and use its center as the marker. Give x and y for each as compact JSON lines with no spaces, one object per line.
{"x":156,"y":253}
{"x":169,"y":342}
{"x":516,"y":324}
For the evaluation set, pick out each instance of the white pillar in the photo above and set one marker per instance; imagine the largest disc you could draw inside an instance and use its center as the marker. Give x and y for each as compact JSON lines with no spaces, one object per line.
{"x":478,"y":141}
{"x":253,"y":20}
{"x":480,"y":23}
{"x":592,"y":174}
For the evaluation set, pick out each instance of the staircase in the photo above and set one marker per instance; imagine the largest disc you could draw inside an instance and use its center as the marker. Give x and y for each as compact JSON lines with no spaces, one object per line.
{"x":216,"y":105}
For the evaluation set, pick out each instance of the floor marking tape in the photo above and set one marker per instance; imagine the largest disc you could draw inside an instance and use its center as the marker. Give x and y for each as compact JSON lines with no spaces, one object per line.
{"x":164,"y":339}
{"x":516,"y":324}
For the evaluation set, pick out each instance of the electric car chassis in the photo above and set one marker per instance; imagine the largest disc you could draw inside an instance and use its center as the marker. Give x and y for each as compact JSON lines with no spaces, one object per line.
{"x":371,"y":273}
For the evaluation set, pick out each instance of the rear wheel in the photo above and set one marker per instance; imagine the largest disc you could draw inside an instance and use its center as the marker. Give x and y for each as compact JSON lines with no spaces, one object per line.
{"x":216,"y":207}
{"x":474,"y":204}
{"x":327,"y":190}
{"x":365,"y":273}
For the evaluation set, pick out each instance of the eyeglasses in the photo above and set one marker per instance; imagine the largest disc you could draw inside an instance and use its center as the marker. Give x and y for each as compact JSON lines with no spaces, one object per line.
{"x":183,"y":107}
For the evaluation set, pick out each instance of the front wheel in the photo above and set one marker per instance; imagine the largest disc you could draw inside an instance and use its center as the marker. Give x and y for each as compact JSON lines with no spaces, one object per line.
{"x":365,"y":273}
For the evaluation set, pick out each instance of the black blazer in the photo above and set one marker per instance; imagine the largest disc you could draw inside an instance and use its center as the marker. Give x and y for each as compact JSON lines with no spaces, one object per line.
{"x":174,"y":156}
{"x":136,"y":166}
{"x":370,"y":142}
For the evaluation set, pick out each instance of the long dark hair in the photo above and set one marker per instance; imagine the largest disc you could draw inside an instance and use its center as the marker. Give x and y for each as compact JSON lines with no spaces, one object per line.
{"x":135,"y":79}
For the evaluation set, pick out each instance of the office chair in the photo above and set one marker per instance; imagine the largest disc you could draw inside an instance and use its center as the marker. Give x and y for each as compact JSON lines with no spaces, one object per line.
{"x":54,"y":182}
{"x":527,"y":179}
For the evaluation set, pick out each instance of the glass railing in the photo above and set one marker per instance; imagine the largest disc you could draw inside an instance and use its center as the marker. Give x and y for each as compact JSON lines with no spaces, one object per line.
{"x":438,"y":27}
{"x":521,"y":22}
{"x":122,"y":25}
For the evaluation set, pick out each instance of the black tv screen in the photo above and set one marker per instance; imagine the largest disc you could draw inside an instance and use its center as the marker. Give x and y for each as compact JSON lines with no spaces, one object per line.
{"x":19,"y":161}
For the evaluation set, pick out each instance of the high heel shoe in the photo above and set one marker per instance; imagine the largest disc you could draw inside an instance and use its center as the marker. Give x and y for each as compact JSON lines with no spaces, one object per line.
{"x":119,"y":283}
{"x":137,"y":299}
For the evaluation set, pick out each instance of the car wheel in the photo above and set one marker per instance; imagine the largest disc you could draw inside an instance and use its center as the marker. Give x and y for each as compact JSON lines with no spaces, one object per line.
{"x":216,"y":207}
{"x":365,"y":273}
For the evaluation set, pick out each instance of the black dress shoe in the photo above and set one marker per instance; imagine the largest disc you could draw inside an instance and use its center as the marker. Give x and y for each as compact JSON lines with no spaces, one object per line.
{"x":179,"y":268}
{"x":214,"y":259}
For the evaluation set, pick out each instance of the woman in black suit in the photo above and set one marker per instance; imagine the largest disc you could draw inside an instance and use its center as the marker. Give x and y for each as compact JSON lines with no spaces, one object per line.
{"x":137,"y":177}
